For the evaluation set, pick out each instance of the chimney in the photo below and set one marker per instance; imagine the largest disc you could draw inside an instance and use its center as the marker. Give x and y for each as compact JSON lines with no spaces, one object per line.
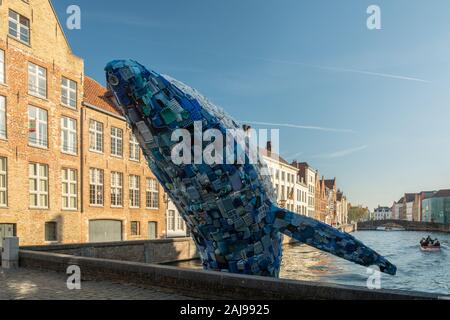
{"x":269,"y":147}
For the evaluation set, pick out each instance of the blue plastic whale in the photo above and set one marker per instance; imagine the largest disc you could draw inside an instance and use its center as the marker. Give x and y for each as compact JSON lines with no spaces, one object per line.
{"x":230,"y":208}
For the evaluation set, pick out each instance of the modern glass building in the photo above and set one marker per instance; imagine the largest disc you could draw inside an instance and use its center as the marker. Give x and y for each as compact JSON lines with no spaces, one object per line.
{"x":437,"y":208}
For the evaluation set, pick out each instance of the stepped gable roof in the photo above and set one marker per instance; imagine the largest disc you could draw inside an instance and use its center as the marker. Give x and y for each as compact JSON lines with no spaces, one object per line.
{"x":330,"y":183}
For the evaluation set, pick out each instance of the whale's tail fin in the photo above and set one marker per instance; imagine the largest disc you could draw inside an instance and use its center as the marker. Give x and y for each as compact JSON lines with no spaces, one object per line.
{"x":326,"y":238}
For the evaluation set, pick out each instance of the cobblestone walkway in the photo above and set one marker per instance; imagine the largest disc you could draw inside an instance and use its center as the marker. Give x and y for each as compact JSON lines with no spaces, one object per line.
{"x":27,"y":284}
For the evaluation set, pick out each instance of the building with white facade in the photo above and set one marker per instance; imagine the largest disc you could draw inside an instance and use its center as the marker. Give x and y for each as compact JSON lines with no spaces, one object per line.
{"x":309,"y":175}
{"x":176,"y":227}
{"x":382,"y":213}
{"x":290,"y":189}
{"x":341,"y":208}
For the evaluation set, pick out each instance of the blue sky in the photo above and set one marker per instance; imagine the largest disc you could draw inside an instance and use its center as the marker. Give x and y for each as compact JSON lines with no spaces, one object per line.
{"x":307,"y":63}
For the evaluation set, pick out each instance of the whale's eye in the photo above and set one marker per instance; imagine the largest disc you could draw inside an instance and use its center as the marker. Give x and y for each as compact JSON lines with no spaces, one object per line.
{"x":113,"y":80}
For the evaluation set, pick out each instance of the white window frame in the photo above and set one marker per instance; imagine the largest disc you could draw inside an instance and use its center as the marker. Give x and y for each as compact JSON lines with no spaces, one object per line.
{"x":180,"y":222}
{"x":96,"y":187}
{"x":2,"y":67}
{"x":3,"y":182}
{"x":38,"y":178}
{"x":96,"y":136}
{"x":171,"y":220}
{"x":134,"y":191}
{"x":116,"y":189}
{"x":69,"y":93}
{"x":116,"y":142}
{"x":69,"y":178}
{"x":22,"y":30}
{"x":151,"y":194}
{"x":36,"y":79}
{"x":40,"y":119}
{"x":3,"y":123}
{"x":69,"y":133}
{"x":134,"y":149}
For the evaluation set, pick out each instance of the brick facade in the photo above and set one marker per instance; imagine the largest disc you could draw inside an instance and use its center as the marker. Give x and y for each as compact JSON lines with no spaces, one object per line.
{"x":48,"y":49}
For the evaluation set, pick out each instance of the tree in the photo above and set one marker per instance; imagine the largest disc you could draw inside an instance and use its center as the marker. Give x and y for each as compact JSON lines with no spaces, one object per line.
{"x":358,"y":213}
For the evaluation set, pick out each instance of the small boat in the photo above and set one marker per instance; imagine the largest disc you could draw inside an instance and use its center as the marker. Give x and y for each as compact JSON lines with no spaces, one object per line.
{"x":430,"y":248}
{"x":430,"y":245}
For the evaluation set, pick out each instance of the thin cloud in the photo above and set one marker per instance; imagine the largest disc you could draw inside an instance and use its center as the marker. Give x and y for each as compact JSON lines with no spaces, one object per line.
{"x":336,"y":69}
{"x":342,"y":153}
{"x":296,"y":126}
{"x":292,"y":156}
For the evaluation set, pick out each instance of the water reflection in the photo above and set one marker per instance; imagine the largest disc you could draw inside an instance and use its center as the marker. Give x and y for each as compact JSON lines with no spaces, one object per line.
{"x":417,"y":270}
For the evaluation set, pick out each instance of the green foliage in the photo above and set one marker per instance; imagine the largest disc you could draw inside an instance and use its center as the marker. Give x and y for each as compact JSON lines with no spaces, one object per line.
{"x":358,"y":213}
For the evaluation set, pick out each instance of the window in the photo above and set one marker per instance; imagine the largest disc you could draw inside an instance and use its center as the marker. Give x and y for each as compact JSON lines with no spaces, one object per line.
{"x":116,"y":189}
{"x":95,"y":136}
{"x":38,"y":177}
{"x":3,"y":182}
{"x":180,"y":222}
{"x":116,"y":142}
{"x":2,"y":66}
{"x":51,"y":231}
{"x":2,"y":117}
{"x":69,"y":189}
{"x":171,"y":220}
{"x":134,"y":191}
{"x":19,"y":27}
{"x":96,"y":187}
{"x":37,"y":127}
{"x":152,"y":194}
{"x":134,"y":148}
{"x":135,"y":228}
{"x":68,"y":93}
{"x":37,"y":81}
{"x":69,"y":135}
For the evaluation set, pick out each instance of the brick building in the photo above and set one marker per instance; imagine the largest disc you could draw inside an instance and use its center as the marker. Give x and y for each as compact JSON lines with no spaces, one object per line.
{"x":321,"y":199}
{"x":65,"y":159}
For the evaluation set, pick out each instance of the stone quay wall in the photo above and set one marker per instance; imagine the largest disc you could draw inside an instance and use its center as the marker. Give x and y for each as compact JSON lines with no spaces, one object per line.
{"x":145,"y":251}
{"x":208,"y":283}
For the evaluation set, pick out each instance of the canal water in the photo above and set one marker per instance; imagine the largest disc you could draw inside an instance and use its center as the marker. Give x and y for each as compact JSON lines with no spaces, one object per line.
{"x":417,"y":270}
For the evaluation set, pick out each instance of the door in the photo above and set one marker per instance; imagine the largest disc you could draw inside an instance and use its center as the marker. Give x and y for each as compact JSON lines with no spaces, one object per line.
{"x":152,"y":231}
{"x":105,"y":230}
{"x":6,"y":230}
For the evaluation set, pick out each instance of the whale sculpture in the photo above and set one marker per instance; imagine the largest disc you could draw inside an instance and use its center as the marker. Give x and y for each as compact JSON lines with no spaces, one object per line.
{"x":230,"y":208}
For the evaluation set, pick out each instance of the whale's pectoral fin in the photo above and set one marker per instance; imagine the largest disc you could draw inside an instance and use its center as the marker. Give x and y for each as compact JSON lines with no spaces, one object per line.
{"x":326,"y":238}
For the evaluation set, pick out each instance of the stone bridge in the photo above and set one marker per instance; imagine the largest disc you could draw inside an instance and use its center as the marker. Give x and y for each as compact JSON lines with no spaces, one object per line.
{"x":407,"y":225}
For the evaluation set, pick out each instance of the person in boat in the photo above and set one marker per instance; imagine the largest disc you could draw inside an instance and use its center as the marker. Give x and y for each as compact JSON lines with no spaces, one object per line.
{"x":426,"y":242}
{"x":423,"y":242}
{"x":437,"y":243}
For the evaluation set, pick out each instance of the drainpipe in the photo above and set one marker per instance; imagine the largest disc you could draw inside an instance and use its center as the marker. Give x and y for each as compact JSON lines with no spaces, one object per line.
{"x":81,"y":159}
